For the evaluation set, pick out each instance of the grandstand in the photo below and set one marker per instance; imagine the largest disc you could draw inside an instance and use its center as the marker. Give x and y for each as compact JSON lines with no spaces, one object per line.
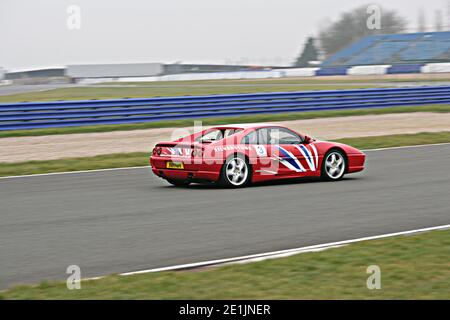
{"x":394,"y":49}
{"x":409,"y":53}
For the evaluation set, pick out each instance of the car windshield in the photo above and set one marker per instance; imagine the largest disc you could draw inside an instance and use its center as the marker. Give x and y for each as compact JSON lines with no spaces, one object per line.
{"x":283,"y":136}
{"x":217,"y":134}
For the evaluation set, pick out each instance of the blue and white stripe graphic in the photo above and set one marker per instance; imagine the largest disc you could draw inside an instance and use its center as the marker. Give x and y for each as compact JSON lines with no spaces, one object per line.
{"x":290,"y":161}
{"x":175,"y":151}
{"x":316,"y":154}
{"x":308,"y":156}
{"x":179,"y":151}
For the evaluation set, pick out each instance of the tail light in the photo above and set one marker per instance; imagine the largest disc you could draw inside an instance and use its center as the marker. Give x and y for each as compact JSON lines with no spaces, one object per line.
{"x":157,"y":151}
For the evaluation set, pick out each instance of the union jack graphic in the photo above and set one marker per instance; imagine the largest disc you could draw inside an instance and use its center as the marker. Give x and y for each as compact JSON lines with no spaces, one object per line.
{"x":292,"y":162}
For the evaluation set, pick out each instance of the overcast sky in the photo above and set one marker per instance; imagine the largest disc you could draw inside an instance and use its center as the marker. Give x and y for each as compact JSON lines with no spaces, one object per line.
{"x":34,"y":33}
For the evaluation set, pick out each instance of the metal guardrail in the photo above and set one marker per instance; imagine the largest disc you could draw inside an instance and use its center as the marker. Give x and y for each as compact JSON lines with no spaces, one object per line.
{"x":33,"y":115}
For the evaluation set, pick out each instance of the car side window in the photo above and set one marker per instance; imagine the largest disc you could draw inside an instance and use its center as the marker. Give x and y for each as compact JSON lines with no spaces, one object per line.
{"x":263,"y":135}
{"x":212,"y":135}
{"x":283,"y":136}
{"x":256,"y":137}
{"x":230,"y":132}
{"x":250,"y":138}
{"x":274,"y":135}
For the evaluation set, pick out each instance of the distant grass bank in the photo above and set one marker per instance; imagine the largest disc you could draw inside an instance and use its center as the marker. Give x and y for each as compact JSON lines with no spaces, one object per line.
{"x":397,"y":140}
{"x":141,"y":158}
{"x":322,"y":80}
{"x":139,"y":90}
{"x":412,"y":267}
{"x":225,"y":120}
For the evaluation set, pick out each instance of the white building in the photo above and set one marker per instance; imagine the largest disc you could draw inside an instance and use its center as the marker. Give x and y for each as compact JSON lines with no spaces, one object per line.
{"x":112,"y":71}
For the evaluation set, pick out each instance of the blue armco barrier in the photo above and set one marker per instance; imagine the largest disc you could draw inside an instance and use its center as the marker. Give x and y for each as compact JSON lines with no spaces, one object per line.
{"x":33,"y":115}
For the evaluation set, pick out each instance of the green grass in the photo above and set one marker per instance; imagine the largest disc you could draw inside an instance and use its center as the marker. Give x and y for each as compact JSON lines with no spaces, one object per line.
{"x":282,"y":81}
{"x":118,"y":160}
{"x":163,"y":90}
{"x":398,"y":140}
{"x":141,"y":158}
{"x":225,"y":120}
{"x":412,"y":267}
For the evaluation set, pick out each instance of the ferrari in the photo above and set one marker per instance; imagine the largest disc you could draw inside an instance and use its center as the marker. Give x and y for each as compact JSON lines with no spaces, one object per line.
{"x":238,"y":155}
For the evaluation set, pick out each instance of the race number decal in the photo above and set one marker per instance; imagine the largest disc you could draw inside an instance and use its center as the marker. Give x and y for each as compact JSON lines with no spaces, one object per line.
{"x":261,"y":151}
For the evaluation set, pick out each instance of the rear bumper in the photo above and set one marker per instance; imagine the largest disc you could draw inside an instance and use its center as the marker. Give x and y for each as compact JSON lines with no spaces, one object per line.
{"x":186,"y":174}
{"x":191,"y":172}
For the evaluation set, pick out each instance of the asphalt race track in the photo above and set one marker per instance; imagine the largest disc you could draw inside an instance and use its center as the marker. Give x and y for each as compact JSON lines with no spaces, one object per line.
{"x":17,"y":88}
{"x":126,"y":220}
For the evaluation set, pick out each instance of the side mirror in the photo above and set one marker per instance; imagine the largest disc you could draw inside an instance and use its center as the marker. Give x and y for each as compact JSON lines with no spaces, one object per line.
{"x":307,"y":139}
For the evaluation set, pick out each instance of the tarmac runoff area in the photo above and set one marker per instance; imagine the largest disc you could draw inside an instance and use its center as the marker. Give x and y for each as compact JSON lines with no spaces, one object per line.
{"x":19,"y":149}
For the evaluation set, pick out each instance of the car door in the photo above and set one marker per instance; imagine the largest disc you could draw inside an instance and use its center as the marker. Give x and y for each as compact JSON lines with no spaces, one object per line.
{"x":264,"y":151}
{"x":295,"y":157}
{"x":259,"y":152}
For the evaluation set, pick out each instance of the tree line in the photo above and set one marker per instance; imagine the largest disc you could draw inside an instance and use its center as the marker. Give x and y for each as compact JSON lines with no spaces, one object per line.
{"x":352,"y":26}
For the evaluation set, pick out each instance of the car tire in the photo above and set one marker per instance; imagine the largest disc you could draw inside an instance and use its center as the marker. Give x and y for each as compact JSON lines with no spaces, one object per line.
{"x":334,"y":165}
{"x":236,"y":172}
{"x":178,"y":183}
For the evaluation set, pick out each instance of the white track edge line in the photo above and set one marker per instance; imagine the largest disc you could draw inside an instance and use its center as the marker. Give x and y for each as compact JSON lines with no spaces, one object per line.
{"x":275,"y":254}
{"x":141,"y":167}
{"x":406,"y":147}
{"x":73,"y":172}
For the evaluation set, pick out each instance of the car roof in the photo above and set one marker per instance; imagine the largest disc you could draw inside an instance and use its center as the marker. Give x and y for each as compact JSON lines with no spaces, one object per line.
{"x":247,"y":126}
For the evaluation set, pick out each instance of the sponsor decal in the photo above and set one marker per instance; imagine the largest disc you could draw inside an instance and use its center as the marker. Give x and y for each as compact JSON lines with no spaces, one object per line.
{"x":231,"y":148}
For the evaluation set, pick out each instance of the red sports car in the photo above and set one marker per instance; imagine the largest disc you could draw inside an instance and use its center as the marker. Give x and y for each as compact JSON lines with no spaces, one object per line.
{"x":236,"y":155}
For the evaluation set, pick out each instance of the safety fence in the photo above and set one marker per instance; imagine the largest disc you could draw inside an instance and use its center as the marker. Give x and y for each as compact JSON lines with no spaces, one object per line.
{"x":33,"y":115}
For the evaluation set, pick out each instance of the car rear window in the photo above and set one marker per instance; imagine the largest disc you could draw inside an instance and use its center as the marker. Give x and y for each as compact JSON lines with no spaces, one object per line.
{"x":217,"y":134}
